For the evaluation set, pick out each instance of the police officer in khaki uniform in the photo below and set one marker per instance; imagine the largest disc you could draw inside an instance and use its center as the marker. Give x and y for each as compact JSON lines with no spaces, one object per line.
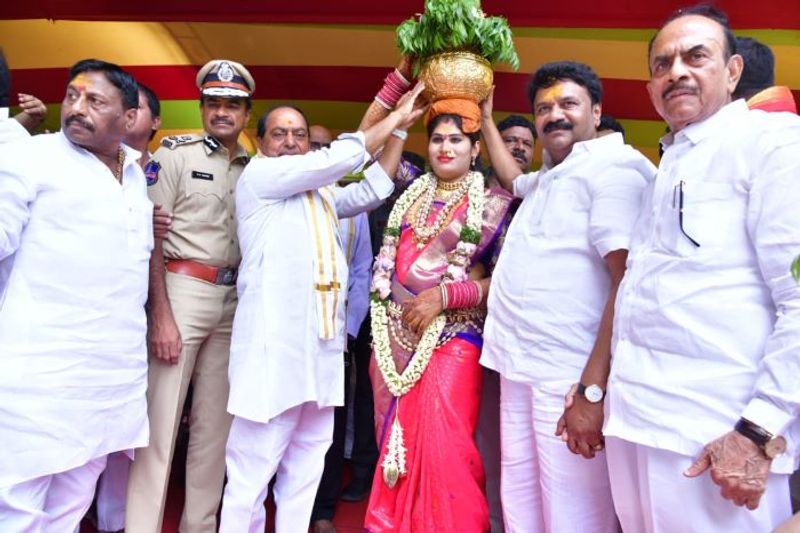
{"x":192,"y":302}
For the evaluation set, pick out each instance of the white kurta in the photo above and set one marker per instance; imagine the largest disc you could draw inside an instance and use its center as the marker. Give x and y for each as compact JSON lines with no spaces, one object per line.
{"x":10,"y":129}
{"x":551,"y":282}
{"x":706,"y":334}
{"x":278,"y":360}
{"x":74,"y":252}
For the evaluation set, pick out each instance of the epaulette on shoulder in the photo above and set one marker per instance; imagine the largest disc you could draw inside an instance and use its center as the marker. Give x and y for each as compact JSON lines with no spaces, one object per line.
{"x":173,"y":141}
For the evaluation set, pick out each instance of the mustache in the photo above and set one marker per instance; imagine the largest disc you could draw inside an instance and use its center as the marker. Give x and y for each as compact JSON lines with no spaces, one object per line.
{"x":678,"y":86}
{"x":79,"y":121}
{"x":519,"y":154}
{"x":222,"y":121}
{"x":557,"y":125}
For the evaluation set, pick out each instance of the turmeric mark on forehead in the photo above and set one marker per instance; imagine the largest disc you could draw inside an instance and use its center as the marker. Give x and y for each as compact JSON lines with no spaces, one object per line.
{"x":552,"y":93}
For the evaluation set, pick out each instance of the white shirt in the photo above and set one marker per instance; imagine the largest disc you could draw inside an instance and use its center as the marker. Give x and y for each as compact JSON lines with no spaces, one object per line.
{"x":10,"y":128}
{"x":277,"y":359}
{"x":74,"y":253}
{"x":704,"y":335}
{"x":551,"y":282}
{"x":357,"y":247}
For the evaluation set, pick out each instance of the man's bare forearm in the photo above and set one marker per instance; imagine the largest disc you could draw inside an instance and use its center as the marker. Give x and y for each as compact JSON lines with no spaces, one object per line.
{"x":158,"y":298}
{"x":598,"y":365}
{"x":505,"y":167}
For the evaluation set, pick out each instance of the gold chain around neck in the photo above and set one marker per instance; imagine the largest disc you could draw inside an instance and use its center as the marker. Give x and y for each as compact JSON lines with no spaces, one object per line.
{"x":120,"y":163}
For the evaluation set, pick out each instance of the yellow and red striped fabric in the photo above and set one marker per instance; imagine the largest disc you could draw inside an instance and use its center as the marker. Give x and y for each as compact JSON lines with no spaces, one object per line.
{"x":333,"y":70}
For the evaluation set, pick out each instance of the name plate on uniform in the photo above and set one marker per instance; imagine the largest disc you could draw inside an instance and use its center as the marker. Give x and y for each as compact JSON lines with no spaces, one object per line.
{"x":196,"y":174}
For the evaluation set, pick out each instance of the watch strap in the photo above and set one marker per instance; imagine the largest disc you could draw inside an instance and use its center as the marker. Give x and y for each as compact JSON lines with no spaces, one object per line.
{"x":754,"y":432}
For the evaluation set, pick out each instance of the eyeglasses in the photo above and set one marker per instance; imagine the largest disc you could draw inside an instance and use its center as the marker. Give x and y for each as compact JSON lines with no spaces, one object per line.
{"x":677,"y":191}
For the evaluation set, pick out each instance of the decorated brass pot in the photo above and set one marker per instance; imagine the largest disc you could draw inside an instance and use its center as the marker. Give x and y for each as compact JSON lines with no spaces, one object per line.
{"x":456,"y":75}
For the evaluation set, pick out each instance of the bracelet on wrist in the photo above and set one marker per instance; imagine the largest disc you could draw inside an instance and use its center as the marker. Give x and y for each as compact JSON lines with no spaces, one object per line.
{"x":400,"y":134}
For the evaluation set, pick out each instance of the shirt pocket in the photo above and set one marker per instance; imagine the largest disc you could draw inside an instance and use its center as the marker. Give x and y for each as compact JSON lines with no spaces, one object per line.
{"x":703,"y":216}
{"x":566,"y":213}
{"x":206,"y":199}
{"x":140,"y":229}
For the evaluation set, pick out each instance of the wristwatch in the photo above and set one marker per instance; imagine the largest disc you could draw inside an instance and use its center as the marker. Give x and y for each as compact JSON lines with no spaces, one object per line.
{"x":593,"y":393}
{"x":770,"y":444}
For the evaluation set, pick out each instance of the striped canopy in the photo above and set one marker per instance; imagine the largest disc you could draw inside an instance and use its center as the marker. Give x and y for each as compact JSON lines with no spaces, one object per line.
{"x":330,"y":57}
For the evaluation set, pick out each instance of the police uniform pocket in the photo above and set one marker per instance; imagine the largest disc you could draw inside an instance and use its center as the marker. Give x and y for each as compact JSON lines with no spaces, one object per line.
{"x":205,"y":197}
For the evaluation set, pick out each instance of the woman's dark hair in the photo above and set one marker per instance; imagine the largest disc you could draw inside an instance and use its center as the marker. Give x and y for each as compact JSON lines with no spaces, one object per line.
{"x":455,"y":119}
{"x":120,"y":79}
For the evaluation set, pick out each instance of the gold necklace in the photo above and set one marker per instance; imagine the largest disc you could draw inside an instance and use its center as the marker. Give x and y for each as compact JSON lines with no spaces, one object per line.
{"x":120,"y":162}
{"x":424,"y":232}
{"x":452,"y":185}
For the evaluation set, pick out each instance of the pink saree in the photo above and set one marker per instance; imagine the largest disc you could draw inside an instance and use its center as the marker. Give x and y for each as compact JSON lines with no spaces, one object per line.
{"x":443,"y":490}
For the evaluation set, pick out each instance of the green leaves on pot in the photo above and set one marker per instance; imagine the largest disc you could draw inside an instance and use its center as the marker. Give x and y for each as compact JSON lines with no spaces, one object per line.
{"x":457,"y":25}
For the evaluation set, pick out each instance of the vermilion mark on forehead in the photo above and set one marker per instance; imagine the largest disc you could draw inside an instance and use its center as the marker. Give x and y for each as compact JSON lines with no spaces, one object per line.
{"x":81,"y":82}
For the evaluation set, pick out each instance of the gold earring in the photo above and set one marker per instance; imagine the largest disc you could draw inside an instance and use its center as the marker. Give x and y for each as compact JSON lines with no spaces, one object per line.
{"x":473,"y":160}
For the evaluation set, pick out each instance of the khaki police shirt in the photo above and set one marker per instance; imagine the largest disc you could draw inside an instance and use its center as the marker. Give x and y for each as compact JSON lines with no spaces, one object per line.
{"x":192,"y":177}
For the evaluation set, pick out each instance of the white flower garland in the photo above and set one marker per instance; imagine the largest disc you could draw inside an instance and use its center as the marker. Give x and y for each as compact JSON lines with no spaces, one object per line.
{"x":458,"y":261}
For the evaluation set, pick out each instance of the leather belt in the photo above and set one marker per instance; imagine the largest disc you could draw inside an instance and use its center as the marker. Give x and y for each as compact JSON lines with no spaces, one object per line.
{"x":215,"y":275}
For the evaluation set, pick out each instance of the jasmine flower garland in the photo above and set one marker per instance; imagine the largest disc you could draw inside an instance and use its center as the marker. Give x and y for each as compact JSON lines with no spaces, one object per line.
{"x":458,"y":263}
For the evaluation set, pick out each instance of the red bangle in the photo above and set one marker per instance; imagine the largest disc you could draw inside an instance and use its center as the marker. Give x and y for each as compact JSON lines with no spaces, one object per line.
{"x":463,"y":295}
{"x":394,"y":87}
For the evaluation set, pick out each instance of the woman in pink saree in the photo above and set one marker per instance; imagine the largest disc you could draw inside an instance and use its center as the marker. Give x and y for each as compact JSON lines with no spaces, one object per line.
{"x":429,"y":290}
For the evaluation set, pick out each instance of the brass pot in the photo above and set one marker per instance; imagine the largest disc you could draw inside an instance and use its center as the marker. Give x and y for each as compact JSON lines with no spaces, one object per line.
{"x":456,"y":75}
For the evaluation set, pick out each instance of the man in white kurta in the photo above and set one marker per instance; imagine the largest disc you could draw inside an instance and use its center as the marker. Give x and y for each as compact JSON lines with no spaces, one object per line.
{"x":75,"y":237}
{"x":550,"y":292}
{"x":286,"y":369}
{"x":707,"y":326}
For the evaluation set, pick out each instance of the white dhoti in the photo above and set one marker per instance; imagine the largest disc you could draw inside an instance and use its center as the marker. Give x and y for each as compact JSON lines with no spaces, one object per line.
{"x":50,"y":504}
{"x":293,"y":445}
{"x":652,"y":495}
{"x":544,"y":486}
{"x":112,"y":490}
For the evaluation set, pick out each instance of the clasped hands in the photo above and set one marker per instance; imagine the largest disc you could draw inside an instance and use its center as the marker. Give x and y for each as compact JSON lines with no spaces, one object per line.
{"x":581,"y":424}
{"x":734,"y":462}
{"x":420,"y":311}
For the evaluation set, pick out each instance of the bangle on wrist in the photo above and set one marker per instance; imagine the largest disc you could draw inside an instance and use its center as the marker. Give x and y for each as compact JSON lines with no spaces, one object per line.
{"x":400,"y":134}
{"x":383,"y":104}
